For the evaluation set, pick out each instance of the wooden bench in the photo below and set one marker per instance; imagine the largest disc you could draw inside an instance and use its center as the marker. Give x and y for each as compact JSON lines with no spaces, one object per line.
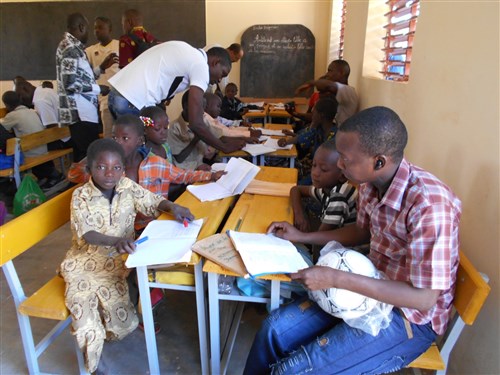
{"x":48,"y":301}
{"x":471,"y":291}
{"x":31,"y":141}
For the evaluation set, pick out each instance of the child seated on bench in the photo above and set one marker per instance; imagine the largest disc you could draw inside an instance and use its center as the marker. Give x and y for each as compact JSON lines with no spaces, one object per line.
{"x":102,"y":217}
{"x":22,"y":121}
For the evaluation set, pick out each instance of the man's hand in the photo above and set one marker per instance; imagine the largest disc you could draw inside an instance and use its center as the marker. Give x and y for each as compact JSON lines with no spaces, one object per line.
{"x":285,"y":230}
{"x":111,"y":59}
{"x":124,"y":245}
{"x":255,"y":133}
{"x":217,"y":175}
{"x":104,"y":90}
{"x":180,"y":213}
{"x":316,"y":277}
{"x":233,"y":145}
{"x":304,"y":87}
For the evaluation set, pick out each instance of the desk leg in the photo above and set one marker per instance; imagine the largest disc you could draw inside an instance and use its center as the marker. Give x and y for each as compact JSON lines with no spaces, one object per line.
{"x":225,"y":159}
{"x":202,"y":318}
{"x":275,"y":294}
{"x":292,"y":162}
{"x":262,"y":160}
{"x":147,"y":319}
{"x":254,"y":160}
{"x":213,"y":303}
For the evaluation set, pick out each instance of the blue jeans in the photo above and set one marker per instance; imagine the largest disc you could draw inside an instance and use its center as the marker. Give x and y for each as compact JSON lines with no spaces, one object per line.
{"x":300,"y":338}
{"x":119,"y":106}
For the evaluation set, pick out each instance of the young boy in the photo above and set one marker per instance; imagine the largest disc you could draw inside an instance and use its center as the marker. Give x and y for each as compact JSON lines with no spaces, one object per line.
{"x":22,"y":121}
{"x":412,"y":222}
{"x":330,"y":188}
{"x":233,"y":108}
{"x":210,"y":117}
{"x":102,"y":217}
{"x":322,"y":129}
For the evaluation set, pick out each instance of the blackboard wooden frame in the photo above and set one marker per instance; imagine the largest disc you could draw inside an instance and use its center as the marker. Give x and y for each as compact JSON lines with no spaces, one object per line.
{"x":31,"y":31}
{"x":278,"y":59}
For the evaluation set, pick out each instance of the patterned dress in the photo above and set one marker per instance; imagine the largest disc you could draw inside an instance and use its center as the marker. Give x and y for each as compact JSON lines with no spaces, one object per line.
{"x":96,"y":288}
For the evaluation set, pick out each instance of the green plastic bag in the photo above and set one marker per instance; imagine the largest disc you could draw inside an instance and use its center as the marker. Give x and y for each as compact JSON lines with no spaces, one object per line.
{"x":28,"y":196}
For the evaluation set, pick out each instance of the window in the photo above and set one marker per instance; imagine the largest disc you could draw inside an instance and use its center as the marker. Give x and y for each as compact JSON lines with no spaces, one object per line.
{"x":400,"y":32}
{"x":337,"y":30}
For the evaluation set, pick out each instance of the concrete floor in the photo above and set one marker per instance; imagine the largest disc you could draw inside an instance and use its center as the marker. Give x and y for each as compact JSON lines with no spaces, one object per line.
{"x":177,"y":342}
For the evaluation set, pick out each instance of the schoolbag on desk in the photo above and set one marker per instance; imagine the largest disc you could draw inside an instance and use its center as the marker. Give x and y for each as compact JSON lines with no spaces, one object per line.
{"x":141,"y":44}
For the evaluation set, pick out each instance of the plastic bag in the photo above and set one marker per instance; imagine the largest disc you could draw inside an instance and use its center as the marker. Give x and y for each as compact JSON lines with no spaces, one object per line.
{"x":28,"y":196}
{"x":379,"y":317}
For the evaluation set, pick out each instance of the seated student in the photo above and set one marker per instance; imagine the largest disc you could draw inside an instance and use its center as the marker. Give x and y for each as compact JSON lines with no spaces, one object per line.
{"x":102,"y":310}
{"x":412,"y":221}
{"x":211,"y":115}
{"x":309,"y":139}
{"x":147,"y":169}
{"x":330,"y":188}
{"x":22,"y":121}
{"x":47,"y":85}
{"x":233,"y":108}
{"x":187,"y":148}
{"x":155,"y":121}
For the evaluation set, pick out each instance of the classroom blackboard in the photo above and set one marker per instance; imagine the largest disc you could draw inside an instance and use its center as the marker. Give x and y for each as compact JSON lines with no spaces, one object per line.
{"x":278,"y":59}
{"x":31,"y":31}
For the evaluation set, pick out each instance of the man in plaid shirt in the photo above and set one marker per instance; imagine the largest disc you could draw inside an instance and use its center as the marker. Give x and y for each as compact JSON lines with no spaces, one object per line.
{"x":411,"y":220}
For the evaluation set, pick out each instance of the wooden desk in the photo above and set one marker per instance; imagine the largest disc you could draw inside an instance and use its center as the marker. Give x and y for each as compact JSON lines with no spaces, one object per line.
{"x":257,"y":212}
{"x":289,"y":154}
{"x":277,"y":113}
{"x":272,"y":126}
{"x":253,"y":114}
{"x":214,"y":213}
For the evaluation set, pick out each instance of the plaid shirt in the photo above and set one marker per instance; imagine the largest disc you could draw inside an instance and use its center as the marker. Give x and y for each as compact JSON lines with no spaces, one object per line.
{"x":414,"y":236}
{"x":75,"y":78}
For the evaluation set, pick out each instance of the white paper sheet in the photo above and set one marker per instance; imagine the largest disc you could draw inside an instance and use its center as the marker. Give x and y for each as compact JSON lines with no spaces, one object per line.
{"x":257,"y":149}
{"x":278,"y":133}
{"x":168,"y":242}
{"x":266,"y":253}
{"x":273,"y":143}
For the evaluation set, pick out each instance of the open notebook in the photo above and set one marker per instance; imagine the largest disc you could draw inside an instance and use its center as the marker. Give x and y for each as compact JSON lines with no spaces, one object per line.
{"x":239,"y":174}
{"x":168,"y":241}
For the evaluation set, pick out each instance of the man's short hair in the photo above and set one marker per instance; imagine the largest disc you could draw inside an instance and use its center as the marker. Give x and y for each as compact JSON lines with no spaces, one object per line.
{"x":11,"y":99}
{"x":104,"y":145}
{"x":222,"y":54}
{"x":235,"y":48}
{"x":106,"y":20}
{"x":381,"y":132}
{"x":343,"y":66}
{"x":74,"y":20}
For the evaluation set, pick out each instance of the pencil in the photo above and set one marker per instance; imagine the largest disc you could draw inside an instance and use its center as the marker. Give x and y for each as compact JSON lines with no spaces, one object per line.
{"x":243,"y":213}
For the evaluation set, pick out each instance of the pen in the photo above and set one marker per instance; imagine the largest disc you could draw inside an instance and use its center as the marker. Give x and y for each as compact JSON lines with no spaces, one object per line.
{"x":139,"y":241}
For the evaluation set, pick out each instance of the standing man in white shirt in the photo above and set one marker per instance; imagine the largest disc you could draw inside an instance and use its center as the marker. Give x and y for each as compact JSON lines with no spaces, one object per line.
{"x":103,"y":58}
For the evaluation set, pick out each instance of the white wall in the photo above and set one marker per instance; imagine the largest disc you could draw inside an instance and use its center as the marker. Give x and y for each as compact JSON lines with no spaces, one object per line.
{"x":450,"y":107}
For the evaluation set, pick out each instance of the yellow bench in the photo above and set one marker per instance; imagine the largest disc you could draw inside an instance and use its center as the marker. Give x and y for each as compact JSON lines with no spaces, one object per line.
{"x":471,"y":291}
{"x":31,"y":141}
{"x":48,"y":301}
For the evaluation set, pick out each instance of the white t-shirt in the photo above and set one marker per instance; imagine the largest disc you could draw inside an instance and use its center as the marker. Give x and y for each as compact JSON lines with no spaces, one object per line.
{"x":46,"y":104}
{"x":96,"y":54}
{"x":149,"y":78}
{"x":348,"y":102}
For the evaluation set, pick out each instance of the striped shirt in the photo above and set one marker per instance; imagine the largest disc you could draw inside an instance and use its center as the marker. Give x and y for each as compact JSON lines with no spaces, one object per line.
{"x":414,"y":236}
{"x":338,"y":207}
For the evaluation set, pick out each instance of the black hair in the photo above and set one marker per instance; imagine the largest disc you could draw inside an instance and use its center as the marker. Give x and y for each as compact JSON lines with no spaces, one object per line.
{"x":343,"y":67}
{"x":381,"y":132}
{"x":11,"y":99}
{"x":152,"y":112}
{"x":104,"y":145}
{"x":106,"y":20}
{"x":222,"y":54}
{"x":235,"y":47}
{"x":329,"y":145}
{"x":232,"y":84}
{"x":47,"y":85}
{"x":131,"y":121}
{"x":327,"y":107}
{"x":74,"y":20}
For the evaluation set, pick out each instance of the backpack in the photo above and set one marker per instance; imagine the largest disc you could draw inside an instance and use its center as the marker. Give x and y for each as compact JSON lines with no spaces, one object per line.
{"x":141,"y":45}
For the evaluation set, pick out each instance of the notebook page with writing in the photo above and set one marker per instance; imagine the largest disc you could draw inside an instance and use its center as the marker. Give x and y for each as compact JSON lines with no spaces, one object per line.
{"x":168,"y":241}
{"x":266,"y":254}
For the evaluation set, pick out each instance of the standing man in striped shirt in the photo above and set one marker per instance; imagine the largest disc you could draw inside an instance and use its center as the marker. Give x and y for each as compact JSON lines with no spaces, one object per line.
{"x":411,"y":220}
